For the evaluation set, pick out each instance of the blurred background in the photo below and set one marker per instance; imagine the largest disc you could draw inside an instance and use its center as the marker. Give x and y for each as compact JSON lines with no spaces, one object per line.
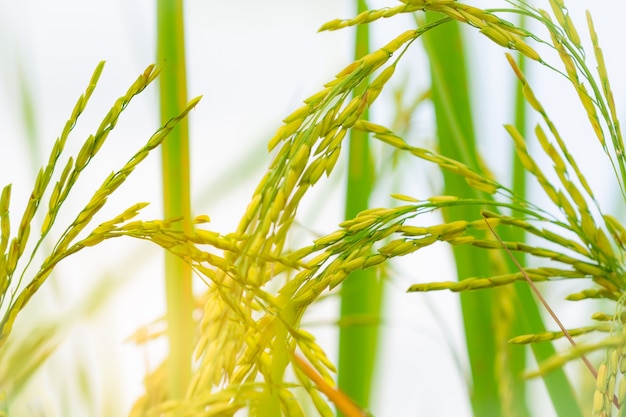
{"x":254,"y":62}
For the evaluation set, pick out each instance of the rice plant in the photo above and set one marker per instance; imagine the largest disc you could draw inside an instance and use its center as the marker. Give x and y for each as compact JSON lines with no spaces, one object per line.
{"x":251,"y":352}
{"x":21,"y":277}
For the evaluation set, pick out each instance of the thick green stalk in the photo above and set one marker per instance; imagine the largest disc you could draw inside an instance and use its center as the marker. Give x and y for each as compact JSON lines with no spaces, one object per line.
{"x":455,"y":134}
{"x":490,"y":394}
{"x":176,"y":194}
{"x":361,"y":293}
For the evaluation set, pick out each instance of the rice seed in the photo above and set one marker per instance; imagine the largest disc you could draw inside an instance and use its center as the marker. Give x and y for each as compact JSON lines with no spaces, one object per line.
{"x":284,"y":132}
{"x":615,"y":130}
{"x":60,"y":192}
{"x":392,"y":140}
{"x":550,"y":336}
{"x":529,"y":163}
{"x":317,"y":97}
{"x":85,"y":153}
{"x":621,"y":395}
{"x":562,"y":16}
{"x":528,"y":93}
{"x":12,"y":257}
{"x":599,"y":397}
{"x":562,"y":241}
{"x":5,"y":224}
{"x":468,"y":284}
{"x":567,"y":208}
{"x":615,"y":228}
{"x":370,"y":16}
{"x":497,"y":35}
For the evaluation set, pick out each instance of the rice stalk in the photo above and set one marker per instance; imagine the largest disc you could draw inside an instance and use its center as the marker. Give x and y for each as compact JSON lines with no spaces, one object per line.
{"x":456,"y":140}
{"x":361,"y":294}
{"x":12,"y":284}
{"x":20,"y":278}
{"x":176,"y":190}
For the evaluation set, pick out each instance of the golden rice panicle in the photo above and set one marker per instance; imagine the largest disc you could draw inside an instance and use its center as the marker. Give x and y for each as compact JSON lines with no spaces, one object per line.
{"x":79,"y":107}
{"x":369,"y":16}
{"x":509,"y":40}
{"x":292,"y":169}
{"x":114,"y":180}
{"x":45,"y":175}
{"x":614,"y":127}
{"x":222,"y":340}
{"x":71,"y":171}
{"x":587,"y":229}
{"x":92,"y":144}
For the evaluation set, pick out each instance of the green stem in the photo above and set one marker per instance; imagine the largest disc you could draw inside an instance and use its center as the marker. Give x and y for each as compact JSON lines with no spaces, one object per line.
{"x":490,"y":394}
{"x":455,"y":135}
{"x":361,"y":293}
{"x":176,"y":190}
